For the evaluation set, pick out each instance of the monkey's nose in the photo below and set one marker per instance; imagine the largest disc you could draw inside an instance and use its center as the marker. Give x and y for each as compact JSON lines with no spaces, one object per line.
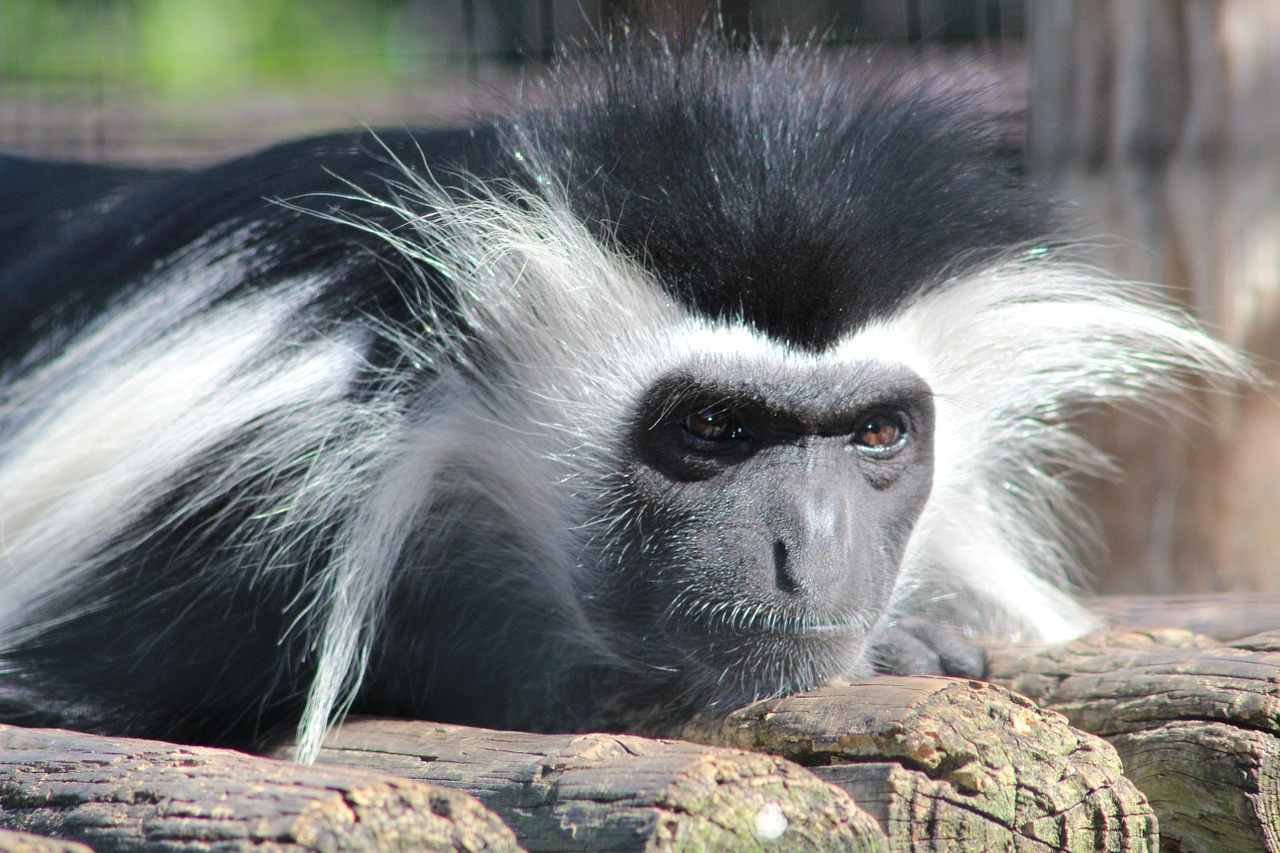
{"x":784,"y":577}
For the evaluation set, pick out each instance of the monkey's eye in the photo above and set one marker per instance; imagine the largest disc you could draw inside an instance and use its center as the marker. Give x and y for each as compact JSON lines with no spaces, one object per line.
{"x":707,"y":428}
{"x":884,"y":432}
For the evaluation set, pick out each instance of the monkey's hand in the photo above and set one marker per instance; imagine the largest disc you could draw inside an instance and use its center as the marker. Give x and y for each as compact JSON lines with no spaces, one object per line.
{"x":918,"y":647}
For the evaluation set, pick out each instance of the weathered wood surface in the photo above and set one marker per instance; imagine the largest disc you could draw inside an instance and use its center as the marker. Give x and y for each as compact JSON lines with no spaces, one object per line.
{"x":25,"y":842}
{"x":129,"y":794}
{"x":601,"y":792}
{"x":946,"y":765}
{"x":937,"y":765}
{"x":942,"y":765}
{"x":1195,"y":721}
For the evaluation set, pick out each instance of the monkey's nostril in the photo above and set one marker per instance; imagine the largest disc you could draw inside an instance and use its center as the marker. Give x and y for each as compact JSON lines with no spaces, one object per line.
{"x":782,"y":577}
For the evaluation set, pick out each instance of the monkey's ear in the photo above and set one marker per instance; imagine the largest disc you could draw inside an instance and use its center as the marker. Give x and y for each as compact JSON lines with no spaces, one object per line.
{"x":918,"y":647}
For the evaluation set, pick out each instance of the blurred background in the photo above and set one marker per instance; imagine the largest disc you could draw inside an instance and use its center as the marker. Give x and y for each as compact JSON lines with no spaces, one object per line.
{"x":1158,"y":121}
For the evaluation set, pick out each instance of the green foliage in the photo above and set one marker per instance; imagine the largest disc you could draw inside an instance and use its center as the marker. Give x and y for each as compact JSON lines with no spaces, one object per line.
{"x":200,"y":49}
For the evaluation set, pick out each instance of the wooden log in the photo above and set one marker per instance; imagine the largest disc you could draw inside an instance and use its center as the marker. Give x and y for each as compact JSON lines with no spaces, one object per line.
{"x":944,"y":765}
{"x":129,"y":794}
{"x":950,"y":765}
{"x":600,"y":792}
{"x":25,"y":842}
{"x":1196,"y":722}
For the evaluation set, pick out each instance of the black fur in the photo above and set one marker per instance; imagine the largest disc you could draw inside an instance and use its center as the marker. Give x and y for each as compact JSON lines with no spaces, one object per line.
{"x":806,"y":200}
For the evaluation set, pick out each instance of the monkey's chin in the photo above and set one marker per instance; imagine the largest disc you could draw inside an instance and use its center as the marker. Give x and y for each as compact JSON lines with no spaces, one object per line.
{"x":762,"y":665}
{"x":834,"y":631}
{"x":678,"y":677}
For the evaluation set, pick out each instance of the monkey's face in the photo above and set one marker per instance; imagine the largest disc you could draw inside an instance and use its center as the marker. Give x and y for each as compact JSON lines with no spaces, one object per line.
{"x":768,"y":511}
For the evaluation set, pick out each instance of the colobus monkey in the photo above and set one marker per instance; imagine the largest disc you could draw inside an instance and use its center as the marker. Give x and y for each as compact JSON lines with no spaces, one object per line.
{"x":712,"y":375}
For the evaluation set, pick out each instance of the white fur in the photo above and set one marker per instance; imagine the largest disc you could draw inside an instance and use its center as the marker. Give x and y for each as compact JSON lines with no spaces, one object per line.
{"x":1011,"y":353}
{"x":130,"y":402}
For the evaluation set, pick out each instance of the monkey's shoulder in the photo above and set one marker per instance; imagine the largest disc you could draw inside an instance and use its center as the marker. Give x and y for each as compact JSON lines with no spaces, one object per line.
{"x":75,"y":236}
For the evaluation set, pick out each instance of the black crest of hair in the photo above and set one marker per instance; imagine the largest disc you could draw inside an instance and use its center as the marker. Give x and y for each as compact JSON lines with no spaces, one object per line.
{"x":803,"y":194}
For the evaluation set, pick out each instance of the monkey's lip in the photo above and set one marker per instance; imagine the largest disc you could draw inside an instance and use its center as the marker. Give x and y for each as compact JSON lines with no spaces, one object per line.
{"x":786,"y":630}
{"x":824,"y":631}
{"x":830,"y":631}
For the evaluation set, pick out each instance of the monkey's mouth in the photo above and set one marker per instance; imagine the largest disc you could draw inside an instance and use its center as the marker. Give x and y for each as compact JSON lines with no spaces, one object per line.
{"x":766,"y":627}
{"x":786,"y":630}
{"x":775,"y":646}
{"x":830,"y":630}
{"x":730,"y":669}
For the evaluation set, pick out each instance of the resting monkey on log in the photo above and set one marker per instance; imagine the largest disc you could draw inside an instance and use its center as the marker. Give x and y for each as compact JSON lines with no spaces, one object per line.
{"x":709,"y":376}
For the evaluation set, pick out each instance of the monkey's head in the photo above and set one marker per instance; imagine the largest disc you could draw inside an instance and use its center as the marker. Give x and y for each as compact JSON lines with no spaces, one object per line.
{"x":695,"y":290}
{"x":763,"y":519}
{"x":771,"y":465}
